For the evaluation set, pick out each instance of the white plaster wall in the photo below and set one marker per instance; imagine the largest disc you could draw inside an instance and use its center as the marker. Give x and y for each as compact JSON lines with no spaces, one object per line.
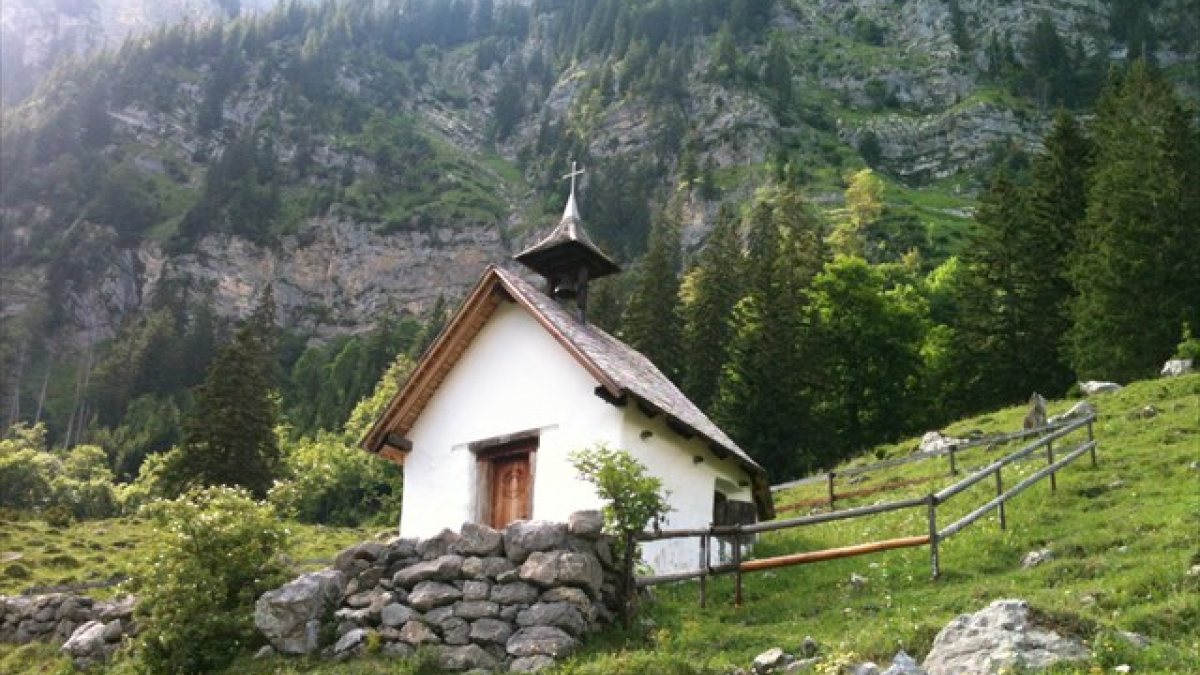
{"x":513,"y":377}
{"x":691,"y":484}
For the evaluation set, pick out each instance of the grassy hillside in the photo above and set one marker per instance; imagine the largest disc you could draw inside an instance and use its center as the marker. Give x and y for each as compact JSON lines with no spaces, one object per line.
{"x":1124,"y":536}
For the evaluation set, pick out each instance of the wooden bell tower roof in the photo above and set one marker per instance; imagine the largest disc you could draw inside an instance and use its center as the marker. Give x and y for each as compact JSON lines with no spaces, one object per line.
{"x":568,"y":249}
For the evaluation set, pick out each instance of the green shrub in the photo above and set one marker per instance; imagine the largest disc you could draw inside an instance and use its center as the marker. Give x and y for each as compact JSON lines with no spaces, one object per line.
{"x":26,"y":468}
{"x":333,"y":482}
{"x":1189,"y":345}
{"x":632,"y":497}
{"x":216,"y":554}
{"x":58,"y":516}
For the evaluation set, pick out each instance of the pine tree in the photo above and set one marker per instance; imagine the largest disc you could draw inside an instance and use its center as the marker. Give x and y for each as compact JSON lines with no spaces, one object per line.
{"x":229,"y":433}
{"x":1057,"y":202}
{"x":651,"y":322}
{"x":712,"y":288}
{"x":1135,"y":267}
{"x":765,"y":395}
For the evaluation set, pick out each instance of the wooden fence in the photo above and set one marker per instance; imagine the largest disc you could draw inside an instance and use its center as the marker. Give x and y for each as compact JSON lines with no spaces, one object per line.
{"x":737,"y":534}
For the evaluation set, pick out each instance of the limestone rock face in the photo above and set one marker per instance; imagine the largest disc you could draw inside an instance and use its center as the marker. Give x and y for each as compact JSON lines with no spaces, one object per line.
{"x":289,"y":616}
{"x":999,"y":638}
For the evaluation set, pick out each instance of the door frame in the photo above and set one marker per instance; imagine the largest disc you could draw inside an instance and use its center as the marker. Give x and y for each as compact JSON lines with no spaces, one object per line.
{"x":524,"y":443}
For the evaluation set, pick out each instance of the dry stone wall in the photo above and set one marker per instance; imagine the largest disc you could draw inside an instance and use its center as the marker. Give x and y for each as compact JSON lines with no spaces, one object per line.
{"x":514,"y":600}
{"x":90,"y":631}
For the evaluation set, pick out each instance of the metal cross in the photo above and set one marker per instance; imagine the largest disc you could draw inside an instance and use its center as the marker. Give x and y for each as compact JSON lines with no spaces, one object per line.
{"x":575,"y":171}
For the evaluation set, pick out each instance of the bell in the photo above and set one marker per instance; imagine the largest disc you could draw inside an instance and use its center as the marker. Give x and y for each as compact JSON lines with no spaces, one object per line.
{"x":565,"y":289}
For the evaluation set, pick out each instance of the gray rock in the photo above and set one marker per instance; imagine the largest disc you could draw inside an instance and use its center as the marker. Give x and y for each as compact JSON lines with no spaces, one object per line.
{"x":903,"y":664}
{"x":400,"y":548}
{"x":867,"y":668}
{"x":809,"y":647}
{"x":492,"y":631}
{"x":586,"y":524}
{"x":514,"y":593}
{"x":527,"y":536}
{"x":999,"y":637}
{"x":86,"y":642}
{"x":417,"y":633}
{"x":466,"y":657}
{"x":802,"y":665}
{"x":564,"y":567}
{"x":476,"y":590}
{"x":437,"y":616}
{"x":531,"y":664}
{"x":1080,"y":409}
{"x":289,"y":616}
{"x":1176,"y":367}
{"x":478,"y":540}
{"x":113,"y":631}
{"x":443,"y":568}
{"x":456,"y":631}
{"x":858,"y":581}
{"x":1093,"y":387}
{"x":350,"y":641}
{"x":368,"y":578}
{"x":438,"y":545}
{"x":769,"y":660}
{"x":264,"y":652}
{"x":541,"y":640}
{"x":368,"y":551}
{"x":398,"y":650}
{"x":1036,"y":417}
{"x":396,"y":614}
{"x":429,"y":594}
{"x":358,"y":617}
{"x":1135,"y":639}
{"x":1035,"y":558}
{"x":934,"y":441}
{"x":486,"y":568}
{"x":509,"y":576}
{"x":557,"y":614}
{"x":574,"y":596}
{"x":476,"y":609}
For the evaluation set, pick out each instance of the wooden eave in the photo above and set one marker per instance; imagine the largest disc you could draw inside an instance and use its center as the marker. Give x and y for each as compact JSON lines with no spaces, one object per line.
{"x":441,"y":356}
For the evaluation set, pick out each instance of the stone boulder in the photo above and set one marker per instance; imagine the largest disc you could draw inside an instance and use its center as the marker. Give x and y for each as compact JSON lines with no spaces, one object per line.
{"x":466,"y":657}
{"x":1176,"y":367}
{"x":586,"y":524}
{"x":1036,"y":417}
{"x":478,"y":540}
{"x":290,"y":615}
{"x":527,"y":536}
{"x":541,"y":641}
{"x":570,"y":568}
{"x":1093,"y":387}
{"x":442,"y":568}
{"x":87,"y":644}
{"x":1001,"y":637}
{"x":934,"y":441}
{"x":1081,"y":409}
{"x":558,"y":614}
{"x":360,"y":555}
{"x":430,"y":594}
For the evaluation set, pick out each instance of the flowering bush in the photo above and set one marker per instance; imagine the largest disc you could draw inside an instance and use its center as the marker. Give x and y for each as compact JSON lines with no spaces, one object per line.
{"x":217,"y":552}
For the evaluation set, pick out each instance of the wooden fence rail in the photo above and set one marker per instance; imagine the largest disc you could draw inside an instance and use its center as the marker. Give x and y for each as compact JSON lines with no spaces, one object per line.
{"x":736,"y":534}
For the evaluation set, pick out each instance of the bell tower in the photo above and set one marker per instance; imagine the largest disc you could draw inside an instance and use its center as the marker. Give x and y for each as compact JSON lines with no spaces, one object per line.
{"x":567,"y":259}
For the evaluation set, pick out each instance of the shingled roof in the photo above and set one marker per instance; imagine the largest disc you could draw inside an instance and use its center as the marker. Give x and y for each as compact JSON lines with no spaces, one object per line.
{"x":623,"y":373}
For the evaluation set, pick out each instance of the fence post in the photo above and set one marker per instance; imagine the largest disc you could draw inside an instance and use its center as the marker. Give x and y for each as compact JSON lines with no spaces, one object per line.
{"x":1050,"y":460}
{"x":953,"y":460}
{"x":1091,"y":439}
{"x":934,"y":564}
{"x":831,"y":496}
{"x":630,"y":583}
{"x":737,"y":566}
{"x":1000,"y":491}
{"x":703,"y":569}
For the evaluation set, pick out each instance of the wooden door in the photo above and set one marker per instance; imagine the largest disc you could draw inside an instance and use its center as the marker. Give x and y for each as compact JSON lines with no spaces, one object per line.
{"x":511,"y":489}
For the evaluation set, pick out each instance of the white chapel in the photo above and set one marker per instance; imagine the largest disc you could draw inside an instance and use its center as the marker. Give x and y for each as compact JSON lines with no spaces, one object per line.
{"x":518,"y":379}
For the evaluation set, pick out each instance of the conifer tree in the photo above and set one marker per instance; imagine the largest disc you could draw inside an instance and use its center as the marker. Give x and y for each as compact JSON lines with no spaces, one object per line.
{"x":712,"y":289}
{"x":229,"y":433}
{"x":651,"y":323}
{"x":1135,"y":267}
{"x":766,"y":389}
